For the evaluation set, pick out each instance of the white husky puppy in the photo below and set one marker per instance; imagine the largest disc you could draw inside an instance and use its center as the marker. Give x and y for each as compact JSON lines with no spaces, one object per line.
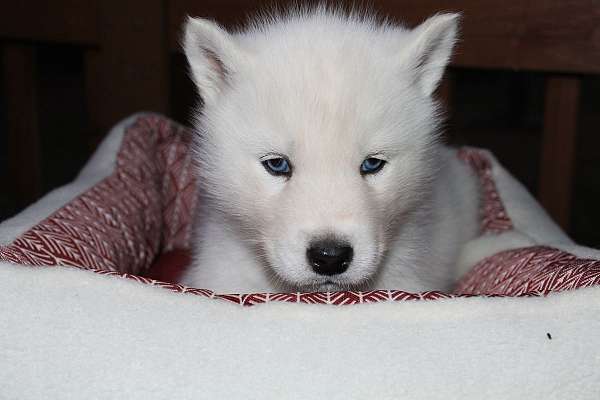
{"x":318,"y":155}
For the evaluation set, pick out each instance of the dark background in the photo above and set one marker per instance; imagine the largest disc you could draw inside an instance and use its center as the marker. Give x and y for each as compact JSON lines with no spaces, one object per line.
{"x":524,"y":83}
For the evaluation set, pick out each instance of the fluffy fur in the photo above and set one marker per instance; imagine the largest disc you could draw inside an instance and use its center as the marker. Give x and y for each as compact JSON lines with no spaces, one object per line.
{"x":327,"y":90}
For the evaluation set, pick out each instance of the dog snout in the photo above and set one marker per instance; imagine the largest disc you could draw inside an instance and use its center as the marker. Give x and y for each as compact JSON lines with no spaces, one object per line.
{"x":329,"y":257}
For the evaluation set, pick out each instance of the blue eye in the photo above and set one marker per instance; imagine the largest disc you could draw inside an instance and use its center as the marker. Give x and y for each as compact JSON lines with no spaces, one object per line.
{"x":278,"y":166}
{"x":371,"y":165}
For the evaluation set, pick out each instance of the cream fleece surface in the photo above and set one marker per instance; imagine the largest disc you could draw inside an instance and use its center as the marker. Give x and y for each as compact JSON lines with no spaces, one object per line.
{"x":71,"y":334}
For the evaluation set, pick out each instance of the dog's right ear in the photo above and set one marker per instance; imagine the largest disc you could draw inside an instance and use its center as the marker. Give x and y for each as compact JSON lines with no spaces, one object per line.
{"x":211,"y":53}
{"x":431,"y":48}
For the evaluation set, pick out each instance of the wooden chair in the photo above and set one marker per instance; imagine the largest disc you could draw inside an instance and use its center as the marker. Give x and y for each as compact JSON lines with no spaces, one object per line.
{"x":129,"y":47}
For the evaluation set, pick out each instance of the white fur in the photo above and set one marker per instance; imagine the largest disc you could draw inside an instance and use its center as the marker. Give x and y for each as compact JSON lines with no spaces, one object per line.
{"x":327,"y":90}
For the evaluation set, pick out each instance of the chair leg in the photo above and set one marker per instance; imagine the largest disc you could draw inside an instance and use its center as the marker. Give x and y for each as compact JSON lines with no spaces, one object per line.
{"x":558,"y":146}
{"x":24,"y":157}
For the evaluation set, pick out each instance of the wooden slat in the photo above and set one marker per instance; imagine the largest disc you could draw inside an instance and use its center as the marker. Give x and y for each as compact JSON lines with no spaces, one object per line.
{"x":61,"y":21}
{"x":561,"y":35}
{"x":558,"y":147}
{"x":19,"y":73}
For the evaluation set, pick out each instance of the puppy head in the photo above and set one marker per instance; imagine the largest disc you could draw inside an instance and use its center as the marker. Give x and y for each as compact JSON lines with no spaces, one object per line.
{"x":317,"y":139}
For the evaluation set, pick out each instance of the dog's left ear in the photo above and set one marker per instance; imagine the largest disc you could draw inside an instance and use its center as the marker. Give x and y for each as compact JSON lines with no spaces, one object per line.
{"x":430,"y":48}
{"x":212,"y":54}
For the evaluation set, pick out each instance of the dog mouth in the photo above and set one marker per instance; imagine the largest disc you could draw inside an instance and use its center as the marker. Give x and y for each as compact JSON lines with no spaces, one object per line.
{"x":327,"y":286}
{"x":322,"y":287}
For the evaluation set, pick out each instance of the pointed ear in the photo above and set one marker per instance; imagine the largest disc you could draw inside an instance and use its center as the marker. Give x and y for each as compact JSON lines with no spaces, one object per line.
{"x":211,"y":53}
{"x":430,"y":49}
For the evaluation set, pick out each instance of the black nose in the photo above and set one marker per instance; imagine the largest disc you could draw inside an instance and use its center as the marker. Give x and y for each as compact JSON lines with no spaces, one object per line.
{"x":329,"y":257}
